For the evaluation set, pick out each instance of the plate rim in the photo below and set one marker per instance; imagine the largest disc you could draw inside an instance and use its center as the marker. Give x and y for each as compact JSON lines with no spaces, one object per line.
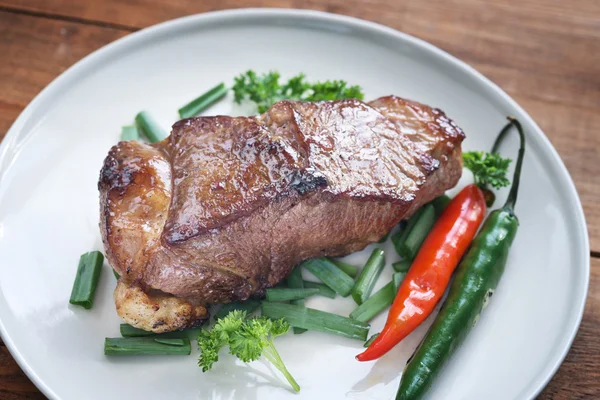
{"x":178,"y":24}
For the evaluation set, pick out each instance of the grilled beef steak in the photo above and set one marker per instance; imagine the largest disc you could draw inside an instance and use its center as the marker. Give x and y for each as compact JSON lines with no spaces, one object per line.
{"x":226,"y":207}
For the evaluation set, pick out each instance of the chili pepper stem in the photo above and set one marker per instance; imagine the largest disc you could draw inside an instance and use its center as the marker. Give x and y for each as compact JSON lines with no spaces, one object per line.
{"x":502,"y":134}
{"x":512,"y":195}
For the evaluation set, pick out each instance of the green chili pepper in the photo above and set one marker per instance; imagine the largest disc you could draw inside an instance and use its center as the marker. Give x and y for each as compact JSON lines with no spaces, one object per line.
{"x":476,"y":279}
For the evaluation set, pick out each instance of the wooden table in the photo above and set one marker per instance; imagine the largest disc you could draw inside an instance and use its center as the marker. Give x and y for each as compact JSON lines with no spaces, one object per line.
{"x":544,"y":53}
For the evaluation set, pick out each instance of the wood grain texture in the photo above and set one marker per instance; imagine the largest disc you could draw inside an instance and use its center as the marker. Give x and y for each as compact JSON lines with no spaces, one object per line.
{"x":544,"y":53}
{"x":14,"y":384}
{"x":34,"y":52}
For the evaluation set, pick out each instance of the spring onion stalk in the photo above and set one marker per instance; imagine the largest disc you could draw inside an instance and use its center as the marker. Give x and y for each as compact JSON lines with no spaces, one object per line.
{"x":350,"y":270}
{"x":171,"y":342}
{"x":146,"y":346}
{"x":295,"y":281}
{"x":249,"y":306}
{"x":368,"y":276}
{"x":371,"y":339}
{"x":130,"y":133}
{"x":329,"y":273}
{"x":86,"y":280}
{"x":440,"y":204}
{"x":287,"y":294}
{"x":416,"y":236}
{"x":398,"y":278}
{"x":399,"y":237}
{"x":130,"y":331}
{"x":316,"y":320}
{"x":375,"y":304}
{"x":202,"y":102}
{"x":324,"y":290}
{"x":402,"y":265}
{"x":146,"y":124}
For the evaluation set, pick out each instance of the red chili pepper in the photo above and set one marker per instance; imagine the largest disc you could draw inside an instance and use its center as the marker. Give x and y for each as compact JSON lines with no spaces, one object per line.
{"x":431,"y":270}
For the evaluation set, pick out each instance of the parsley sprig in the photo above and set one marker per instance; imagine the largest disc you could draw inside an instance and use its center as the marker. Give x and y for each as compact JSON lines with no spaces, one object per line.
{"x":248,"y":340}
{"x":265,"y":89}
{"x":487,"y":168}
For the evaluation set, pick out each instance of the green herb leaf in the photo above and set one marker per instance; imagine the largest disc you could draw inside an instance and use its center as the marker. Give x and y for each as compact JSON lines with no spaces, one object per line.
{"x":265,"y":90}
{"x":210,"y":342}
{"x":248,"y":340}
{"x":487,"y":168}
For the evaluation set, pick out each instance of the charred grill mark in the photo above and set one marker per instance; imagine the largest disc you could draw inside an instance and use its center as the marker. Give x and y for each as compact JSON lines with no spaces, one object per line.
{"x":307,"y":181}
{"x":196,"y":323}
{"x":449,"y":127}
{"x":116,"y":175}
{"x":109,"y":172}
{"x":158,"y":323}
{"x":429,"y":165}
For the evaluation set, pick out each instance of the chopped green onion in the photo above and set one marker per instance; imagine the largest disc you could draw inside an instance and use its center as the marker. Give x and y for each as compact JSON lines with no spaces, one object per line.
{"x":368,"y":276}
{"x":440,"y":204}
{"x":375,"y":304}
{"x":130,"y":133}
{"x":324,"y":290}
{"x":350,"y":270}
{"x":130,"y":331}
{"x":316,"y":320}
{"x":144,"y":346}
{"x":371,"y":340}
{"x":201,"y":103}
{"x":285,"y":294}
{"x":402,"y":265}
{"x":295,"y":281}
{"x":146,"y":124}
{"x":416,"y":236}
{"x":171,"y":342}
{"x":249,"y":306}
{"x":397,"y":279}
{"x":399,"y":237}
{"x":330,"y":274}
{"x":116,"y":274}
{"x":86,"y":280}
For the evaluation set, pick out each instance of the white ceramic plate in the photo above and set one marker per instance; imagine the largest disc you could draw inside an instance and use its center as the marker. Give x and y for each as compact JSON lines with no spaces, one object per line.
{"x":49,"y":167}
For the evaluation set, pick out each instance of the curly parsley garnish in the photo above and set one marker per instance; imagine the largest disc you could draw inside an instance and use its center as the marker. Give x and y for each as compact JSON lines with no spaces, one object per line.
{"x":265,"y":90}
{"x":248,"y":340}
{"x":487,"y":168}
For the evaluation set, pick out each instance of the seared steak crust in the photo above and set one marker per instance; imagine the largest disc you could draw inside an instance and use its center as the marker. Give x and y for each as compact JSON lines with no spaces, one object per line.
{"x":225,"y":207}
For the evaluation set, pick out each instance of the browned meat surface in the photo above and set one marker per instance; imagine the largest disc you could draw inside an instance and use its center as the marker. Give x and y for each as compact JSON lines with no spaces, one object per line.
{"x":226,"y":207}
